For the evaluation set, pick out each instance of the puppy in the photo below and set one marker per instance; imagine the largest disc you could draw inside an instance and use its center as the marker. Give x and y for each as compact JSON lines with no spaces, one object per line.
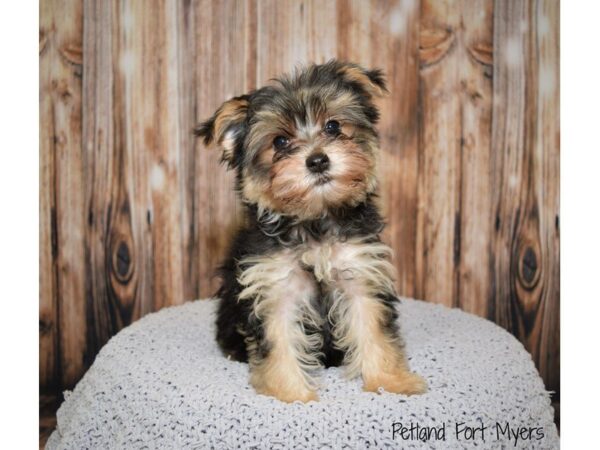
{"x":307,"y":281}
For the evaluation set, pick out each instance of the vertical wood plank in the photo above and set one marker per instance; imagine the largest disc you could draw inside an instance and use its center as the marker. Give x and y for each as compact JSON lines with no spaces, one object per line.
{"x":394,"y":48}
{"x":49,"y":362}
{"x":510,"y":163}
{"x":454,"y":171}
{"x":279,"y":23}
{"x":354,"y":31}
{"x":547,"y":189}
{"x":321,"y":30}
{"x":163,"y":144}
{"x":438,"y":216}
{"x":525,"y":141}
{"x":131,"y":250}
{"x":292,"y":33}
{"x":100,"y":162}
{"x":225,"y":67}
{"x":473,"y":272}
{"x":185,"y":29}
{"x":62,"y":345}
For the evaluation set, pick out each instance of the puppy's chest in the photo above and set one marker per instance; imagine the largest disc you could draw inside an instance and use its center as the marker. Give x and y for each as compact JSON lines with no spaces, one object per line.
{"x":320,"y":259}
{"x":331,"y":261}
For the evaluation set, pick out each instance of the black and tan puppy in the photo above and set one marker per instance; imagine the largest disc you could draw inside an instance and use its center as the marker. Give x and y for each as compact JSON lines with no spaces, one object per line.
{"x":308,"y":281}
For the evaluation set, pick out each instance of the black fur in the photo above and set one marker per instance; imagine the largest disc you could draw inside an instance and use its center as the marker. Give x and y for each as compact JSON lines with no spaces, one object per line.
{"x":259,"y":238}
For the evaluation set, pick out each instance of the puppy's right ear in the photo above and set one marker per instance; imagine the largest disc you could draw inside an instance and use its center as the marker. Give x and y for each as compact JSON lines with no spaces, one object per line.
{"x":371,"y":81}
{"x":226,"y":127}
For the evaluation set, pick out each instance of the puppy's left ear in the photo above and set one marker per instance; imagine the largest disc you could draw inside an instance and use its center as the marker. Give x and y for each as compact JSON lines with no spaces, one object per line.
{"x":226,"y":127}
{"x":371,"y":81}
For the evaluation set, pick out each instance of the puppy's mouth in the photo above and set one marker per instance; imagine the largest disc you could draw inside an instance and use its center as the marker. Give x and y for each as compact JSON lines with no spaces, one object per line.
{"x":322,"y":179}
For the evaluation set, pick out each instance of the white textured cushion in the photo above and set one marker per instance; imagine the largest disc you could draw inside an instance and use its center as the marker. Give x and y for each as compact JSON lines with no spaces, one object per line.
{"x":163,"y":383}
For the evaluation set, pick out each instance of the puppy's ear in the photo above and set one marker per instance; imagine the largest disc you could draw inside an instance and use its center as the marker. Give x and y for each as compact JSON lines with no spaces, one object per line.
{"x":371,"y":81}
{"x":226,"y":127}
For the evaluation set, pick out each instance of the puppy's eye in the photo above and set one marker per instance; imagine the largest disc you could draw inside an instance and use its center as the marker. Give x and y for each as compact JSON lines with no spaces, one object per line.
{"x":281,"y":142}
{"x":332,"y":128}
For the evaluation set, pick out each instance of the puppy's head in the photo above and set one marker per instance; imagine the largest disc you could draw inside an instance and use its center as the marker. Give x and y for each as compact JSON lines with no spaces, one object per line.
{"x":305,"y":144}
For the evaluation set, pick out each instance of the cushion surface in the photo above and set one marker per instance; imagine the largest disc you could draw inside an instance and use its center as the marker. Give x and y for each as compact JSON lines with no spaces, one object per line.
{"x":163,"y":383}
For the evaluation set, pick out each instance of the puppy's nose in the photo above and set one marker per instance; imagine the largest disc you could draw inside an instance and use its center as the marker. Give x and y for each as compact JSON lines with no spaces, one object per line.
{"x":317,"y":162}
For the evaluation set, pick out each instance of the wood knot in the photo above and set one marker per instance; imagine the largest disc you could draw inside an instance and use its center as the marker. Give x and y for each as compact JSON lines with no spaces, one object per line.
{"x":483,"y":53}
{"x":122,"y":263}
{"x":529,"y":269}
{"x":45,"y":327}
{"x":434,"y":44}
{"x":61,"y":87}
{"x":72,"y":54}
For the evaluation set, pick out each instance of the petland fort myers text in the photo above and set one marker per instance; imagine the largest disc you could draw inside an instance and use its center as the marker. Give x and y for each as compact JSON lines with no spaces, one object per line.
{"x":464,"y":432}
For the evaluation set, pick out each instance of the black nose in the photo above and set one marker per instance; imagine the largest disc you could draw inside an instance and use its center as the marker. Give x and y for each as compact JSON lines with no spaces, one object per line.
{"x":317,"y":162}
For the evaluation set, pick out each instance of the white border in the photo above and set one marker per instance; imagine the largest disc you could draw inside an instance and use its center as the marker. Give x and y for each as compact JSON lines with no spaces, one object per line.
{"x":580,"y":223}
{"x":19,"y":25}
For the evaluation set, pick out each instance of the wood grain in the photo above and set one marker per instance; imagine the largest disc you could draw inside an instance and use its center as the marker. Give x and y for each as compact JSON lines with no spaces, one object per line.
{"x":394,"y":41}
{"x":473,"y":235}
{"x":546,"y":337}
{"x":62,"y":275}
{"x":101,"y":164}
{"x":184,"y":34}
{"x":456,"y":98}
{"x":439,"y":155}
{"x":48,"y":345}
{"x":525,"y":141}
{"x":136,"y":214}
{"x":217,"y":81}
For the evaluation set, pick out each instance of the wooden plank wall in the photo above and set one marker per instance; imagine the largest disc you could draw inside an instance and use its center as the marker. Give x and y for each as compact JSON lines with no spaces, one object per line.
{"x":135,"y":214}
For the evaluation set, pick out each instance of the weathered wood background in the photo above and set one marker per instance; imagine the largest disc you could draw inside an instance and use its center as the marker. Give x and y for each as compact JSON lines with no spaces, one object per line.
{"x":135,"y":214}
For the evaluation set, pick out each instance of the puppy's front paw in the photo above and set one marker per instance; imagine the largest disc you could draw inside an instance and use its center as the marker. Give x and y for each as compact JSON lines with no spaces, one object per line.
{"x":288,"y":395}
{"x":400,"y":382}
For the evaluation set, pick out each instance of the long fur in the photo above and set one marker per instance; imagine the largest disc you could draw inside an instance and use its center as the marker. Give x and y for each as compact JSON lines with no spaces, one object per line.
{"x":307,"y":281}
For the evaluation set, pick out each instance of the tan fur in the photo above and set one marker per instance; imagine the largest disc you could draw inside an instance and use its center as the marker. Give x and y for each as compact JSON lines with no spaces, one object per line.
{"x":357,"y":74}
{"x":282,"y":293}
{"x":348,"y":130}
{"x":341,"y":105}
{"x":256,"y":190}
{"x":230,"y":112}
{"x":278,"y":376}
{"x":289,"y":188}
{"x":356,"y":271}
{"x":292,"y":190}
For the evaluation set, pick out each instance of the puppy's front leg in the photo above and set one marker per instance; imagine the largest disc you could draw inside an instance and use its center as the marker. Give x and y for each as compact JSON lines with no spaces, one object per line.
{"x":283,"y":352}
{"x":364,"y":318}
